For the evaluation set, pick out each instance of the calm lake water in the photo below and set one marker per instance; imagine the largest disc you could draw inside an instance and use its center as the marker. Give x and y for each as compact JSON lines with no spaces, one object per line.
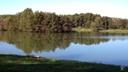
{"x":88,"y":47}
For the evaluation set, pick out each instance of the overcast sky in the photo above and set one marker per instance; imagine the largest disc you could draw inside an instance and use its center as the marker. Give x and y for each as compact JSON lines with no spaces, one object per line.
{"x":111,"y":8}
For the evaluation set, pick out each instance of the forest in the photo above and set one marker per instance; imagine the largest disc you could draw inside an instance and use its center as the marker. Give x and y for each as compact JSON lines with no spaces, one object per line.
{"x":38,"y":21}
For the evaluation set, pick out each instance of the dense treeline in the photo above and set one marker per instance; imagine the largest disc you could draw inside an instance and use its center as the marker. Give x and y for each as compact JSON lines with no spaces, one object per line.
{"x":28,"y":20}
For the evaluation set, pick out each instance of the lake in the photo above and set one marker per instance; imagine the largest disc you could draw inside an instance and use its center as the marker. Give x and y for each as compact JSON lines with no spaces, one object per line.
{"x":87,"y":47}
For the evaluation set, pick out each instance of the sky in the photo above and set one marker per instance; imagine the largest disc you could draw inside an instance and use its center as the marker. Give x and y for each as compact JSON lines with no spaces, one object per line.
{"x":110,"y":8}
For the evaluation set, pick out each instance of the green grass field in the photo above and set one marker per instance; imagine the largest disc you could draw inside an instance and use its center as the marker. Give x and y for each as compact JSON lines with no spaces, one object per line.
{"x":15,"y":63}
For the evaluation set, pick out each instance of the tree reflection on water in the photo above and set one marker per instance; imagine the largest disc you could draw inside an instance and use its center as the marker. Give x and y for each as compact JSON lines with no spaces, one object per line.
{"x":39,"y":42}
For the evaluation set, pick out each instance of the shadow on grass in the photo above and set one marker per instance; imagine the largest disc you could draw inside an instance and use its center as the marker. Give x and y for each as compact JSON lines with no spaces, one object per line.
{"x":13,"y":63}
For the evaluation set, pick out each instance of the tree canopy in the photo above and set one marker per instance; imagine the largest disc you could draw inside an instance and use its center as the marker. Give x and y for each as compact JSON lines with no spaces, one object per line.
{"x":27,"y":20}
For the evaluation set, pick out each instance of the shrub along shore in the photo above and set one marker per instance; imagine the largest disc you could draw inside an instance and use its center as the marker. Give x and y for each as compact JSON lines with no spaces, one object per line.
{"x":16,"y":63}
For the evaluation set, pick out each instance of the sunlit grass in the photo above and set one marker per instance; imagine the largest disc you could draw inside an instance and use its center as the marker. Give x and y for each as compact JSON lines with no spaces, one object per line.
{"x":14,"y":63}
{"x":101,"y":30}
{"x":82,"y":30}
{"x":114,"y":31}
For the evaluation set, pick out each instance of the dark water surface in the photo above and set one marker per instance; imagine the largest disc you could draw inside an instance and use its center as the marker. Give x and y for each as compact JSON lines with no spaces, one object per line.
{"x":89,"y":47}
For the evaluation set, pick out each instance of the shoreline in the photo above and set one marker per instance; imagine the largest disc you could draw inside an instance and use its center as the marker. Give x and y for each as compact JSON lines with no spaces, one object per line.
{"x":114,"y":31}
{"x":20,"y":63}
{"x":102,"y":31}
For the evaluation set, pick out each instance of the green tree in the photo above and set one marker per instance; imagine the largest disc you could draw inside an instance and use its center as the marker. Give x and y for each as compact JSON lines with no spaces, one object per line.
{"x":1,"y":23}
{"x":26,"y":20}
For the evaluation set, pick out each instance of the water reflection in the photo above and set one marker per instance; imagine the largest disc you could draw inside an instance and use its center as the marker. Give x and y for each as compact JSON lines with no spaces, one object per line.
{"x":29,"y":42}
{"x":90,"y":47}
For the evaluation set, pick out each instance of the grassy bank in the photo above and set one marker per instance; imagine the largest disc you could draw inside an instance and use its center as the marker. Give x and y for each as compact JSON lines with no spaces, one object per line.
{"x":115,"y":31}
{"x":14,"y":63}
{"x":107,"y":31}
{"x":82,"y":30}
